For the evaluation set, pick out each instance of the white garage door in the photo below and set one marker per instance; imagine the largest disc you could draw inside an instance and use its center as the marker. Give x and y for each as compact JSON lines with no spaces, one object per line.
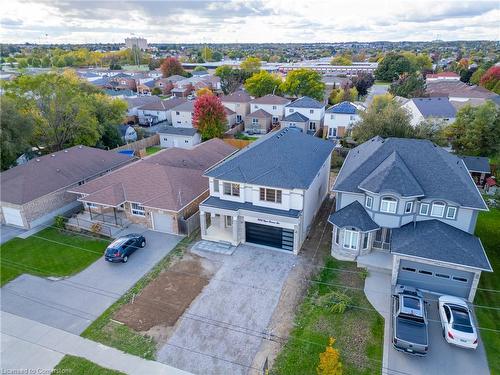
{"x":12,"y":216}
{"x":163,"y":222}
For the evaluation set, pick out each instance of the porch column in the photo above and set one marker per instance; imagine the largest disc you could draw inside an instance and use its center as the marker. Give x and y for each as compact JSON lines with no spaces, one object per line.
{"x":90,"y":212}
{"x":114,"y":213}
{"x":203,"y":223}
{"x":235,"y":229}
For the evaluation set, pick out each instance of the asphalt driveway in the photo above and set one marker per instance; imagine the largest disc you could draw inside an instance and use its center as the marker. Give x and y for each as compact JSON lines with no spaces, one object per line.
{"x":237,"y":303}
{"x":441,"y":358}
{"x":71,"y":304}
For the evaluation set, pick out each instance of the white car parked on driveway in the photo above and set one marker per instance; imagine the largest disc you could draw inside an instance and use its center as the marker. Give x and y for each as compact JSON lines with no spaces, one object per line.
{"x":456,"y":320}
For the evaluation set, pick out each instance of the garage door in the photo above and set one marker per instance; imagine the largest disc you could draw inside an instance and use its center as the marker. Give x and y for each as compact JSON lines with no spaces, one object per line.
{"x":434,"y":278}
{"x":269,"y":236}
{"x":163,"y":223}
{"x":12,"y":216}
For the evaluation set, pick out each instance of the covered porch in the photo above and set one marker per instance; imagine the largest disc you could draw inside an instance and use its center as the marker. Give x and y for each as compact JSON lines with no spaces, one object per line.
{"x":219,"y":227}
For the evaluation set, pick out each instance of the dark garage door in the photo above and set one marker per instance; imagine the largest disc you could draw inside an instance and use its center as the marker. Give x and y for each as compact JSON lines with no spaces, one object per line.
{"x":269,"y":236}
{"x":434,"y":278}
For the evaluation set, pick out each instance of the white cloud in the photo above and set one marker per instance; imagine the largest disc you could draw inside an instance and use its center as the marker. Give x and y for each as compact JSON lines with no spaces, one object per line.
{"x":245,"y":21}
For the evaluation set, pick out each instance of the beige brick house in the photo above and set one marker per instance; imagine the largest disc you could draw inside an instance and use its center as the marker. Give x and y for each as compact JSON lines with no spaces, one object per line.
{"x":158,"y":192}
{"x":33,"y":193}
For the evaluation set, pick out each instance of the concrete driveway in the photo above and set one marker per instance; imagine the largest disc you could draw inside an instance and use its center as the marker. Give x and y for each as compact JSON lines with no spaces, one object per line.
{"x":244,"y":293}
{"x":442,"y":357}
{"x":7,"y":233}
{"x":71,"y":304}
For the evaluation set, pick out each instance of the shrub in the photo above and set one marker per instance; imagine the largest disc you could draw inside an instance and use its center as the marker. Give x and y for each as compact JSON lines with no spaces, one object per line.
{"x":59,"y":221}
{"x":335,"y":301}
{"x":96,"y":228}
{"x":329,"y":360}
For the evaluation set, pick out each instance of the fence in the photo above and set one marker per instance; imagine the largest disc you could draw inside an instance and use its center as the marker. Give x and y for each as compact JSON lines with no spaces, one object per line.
{"x":189,"y":225}
{"x":141,"y":144}
{"x":236,"y":129}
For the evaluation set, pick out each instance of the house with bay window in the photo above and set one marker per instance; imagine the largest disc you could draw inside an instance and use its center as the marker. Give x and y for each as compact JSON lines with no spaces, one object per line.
{"x":417,"y":204}
{"x":269,"y":192}
{"x":310,"y":108}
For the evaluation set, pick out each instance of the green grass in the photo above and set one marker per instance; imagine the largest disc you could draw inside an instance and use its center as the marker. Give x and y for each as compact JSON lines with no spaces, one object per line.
{"x":119,"y":336}
{"x":152,"y":149}
{"x":358,"y":333}
{"x":245,"y":137}
{"x":488,"y":230}
{"x":43,"y":254}
{"x":81,"y":366}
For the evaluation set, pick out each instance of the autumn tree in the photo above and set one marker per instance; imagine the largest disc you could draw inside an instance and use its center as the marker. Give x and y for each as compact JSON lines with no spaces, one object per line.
{"x":304,"y":82}
{"x":209,"y":116}
{"x":204,"y":91}
{"x":171,"y":66}
{"x":250,"y":65}
{"x":329,"y":360}
{"x":263,"y":83}
{"x":491,"y":79}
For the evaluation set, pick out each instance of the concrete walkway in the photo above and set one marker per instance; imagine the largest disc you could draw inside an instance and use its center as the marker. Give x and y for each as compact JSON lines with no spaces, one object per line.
{"x":29,"y":345}
{"x":7,"y":233}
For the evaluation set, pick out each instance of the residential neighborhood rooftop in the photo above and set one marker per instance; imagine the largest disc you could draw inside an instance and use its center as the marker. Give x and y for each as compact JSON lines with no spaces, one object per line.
{"x":344,"y":108}
{"x":270,"y":99}
{"x":178,"y":131}
{"x":435,"y":107}
{"x":296,"y":117}
{"x":260,"y":113}
{"x":163,"y":105}
{"x":438,"y":173}
{"x":52,"y":172}
{"x":237,"y":97}
{"x":477,"y":164}
{"x":353,"y":215}
{"x":184,"y":106}
{"x":457,"y":89}
{"x":286,"y":159}
{"x":305,"y":102}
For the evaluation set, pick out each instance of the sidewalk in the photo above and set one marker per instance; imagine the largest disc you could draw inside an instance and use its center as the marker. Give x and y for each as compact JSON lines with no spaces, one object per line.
{"x":33,"y":345}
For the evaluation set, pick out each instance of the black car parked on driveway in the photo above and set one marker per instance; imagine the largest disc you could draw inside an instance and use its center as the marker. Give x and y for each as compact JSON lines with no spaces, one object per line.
{"x":120,"y":249}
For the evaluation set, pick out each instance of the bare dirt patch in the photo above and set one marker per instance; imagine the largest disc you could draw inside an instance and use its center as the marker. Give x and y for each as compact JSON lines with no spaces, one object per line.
{"x":157,"y":308}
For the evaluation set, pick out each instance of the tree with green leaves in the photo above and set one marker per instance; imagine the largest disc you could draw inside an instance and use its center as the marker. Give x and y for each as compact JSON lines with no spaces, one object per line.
{"x":16,"y":129}
{"x":230,"y":79}
{"x":384,"y":118}
{"x":250,"y":65}
{"x":392,"y":66}
{"x":341,"y":60}
{"x":200,"y":68}
{"x":304,"y":82}
{"x":343,"y":94}
{"x":217,"y":56}
{"x":408,"y":86}
{"x":476,"y":130}
{"x":263,"y":83}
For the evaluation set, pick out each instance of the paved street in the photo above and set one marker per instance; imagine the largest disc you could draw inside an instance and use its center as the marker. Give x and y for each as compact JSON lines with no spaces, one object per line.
{"x":72,"y":304}
{"x":244,"y":293}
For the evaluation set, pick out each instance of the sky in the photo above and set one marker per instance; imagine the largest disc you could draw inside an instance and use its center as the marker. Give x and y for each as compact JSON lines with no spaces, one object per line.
{"x":250,"y":21}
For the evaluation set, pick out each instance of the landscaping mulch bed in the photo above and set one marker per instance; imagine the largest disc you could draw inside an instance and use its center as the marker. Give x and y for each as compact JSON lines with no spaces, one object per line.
{"x":165,"y":299}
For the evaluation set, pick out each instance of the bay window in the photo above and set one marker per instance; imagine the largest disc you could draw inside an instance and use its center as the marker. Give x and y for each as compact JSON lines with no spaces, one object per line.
{"x":408,"y":207}
{"x":351,"y":239}
{"x":451,"y":212}
{"x":437,"y":209}
{"x":368,"y":202}
{"x":388,"y":205}
{"x":424,"y":208}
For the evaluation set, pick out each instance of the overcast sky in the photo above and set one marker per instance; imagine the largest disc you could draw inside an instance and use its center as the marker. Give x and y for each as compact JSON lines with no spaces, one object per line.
{"x":191,"y":21}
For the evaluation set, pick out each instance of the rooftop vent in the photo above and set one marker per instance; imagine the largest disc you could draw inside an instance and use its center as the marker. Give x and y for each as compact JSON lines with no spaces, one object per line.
{"x":80,"y":146}
{"x":37,"y":159}
{"x":66,"y":151}
{"x":52,"y":156}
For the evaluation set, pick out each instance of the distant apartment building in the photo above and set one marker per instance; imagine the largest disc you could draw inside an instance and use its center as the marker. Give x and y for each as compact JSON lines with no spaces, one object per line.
{"x":140,"y":43}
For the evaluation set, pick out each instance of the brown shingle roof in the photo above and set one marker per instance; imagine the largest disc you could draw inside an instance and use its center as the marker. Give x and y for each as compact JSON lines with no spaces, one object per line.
{"x":237,"y":97}
{"x":260,"y":113}
{"x":168,"y":180}
{"x":457,"y":89}
{"x":271,"y":99}
{"x":50,"y":173}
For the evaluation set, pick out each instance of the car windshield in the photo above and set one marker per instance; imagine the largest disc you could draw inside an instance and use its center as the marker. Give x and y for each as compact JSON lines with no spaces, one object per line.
{"x":411,"y":303}
{"x":461,"y":319}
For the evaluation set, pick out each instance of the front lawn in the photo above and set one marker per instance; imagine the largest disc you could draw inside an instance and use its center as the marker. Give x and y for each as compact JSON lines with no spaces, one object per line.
{"x":358,"y":332}
{"x":488,"y":230}
{"x":50,"y":252}
{"x":81,"y":366}
{"x":152,"y":149}
{"x":107,"y":331}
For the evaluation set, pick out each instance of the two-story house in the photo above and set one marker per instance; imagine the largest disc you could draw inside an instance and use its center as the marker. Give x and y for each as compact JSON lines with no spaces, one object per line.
{"x":182,"y":115}
{"x":436,"y":109}
{"x":238,"y":102}
{"x":309,"y":107}
{"x":269,"y":192}
{"x":272,"y":104}
{"x":417,"y":203}
{"x":339,"y":117}
{"x":158,"y":111}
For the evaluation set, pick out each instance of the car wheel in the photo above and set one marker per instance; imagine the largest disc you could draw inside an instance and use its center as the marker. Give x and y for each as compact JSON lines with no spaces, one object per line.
{"x":143,"y":243}
{"x":125,"y":259}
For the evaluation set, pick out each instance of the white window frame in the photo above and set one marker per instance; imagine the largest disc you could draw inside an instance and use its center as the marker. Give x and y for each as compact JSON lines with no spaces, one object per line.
{"x":216,"y":185}
{"x":438,"y":205}
{"x":366,"y":237}
{"x":422,"y":206}
{"x":232,"y":189}
{"x":368,"y":199}
{"x":266,"y":191}
{"x":351,"y":238}
{"x":137,"y":209}
{"x":451,"y":208}
{"x":255,"y":121}
{"x":311,"y":111}
{"x":312,"y":125}
{"x":408,"y":207}
{"x":390,"y":202}
{"x":228,"y":221}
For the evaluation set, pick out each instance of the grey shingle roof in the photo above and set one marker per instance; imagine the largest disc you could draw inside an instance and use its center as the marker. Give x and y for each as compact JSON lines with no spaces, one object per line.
{"x":353,"y":215}
{"x":305,"y":102}
{"x":163,"y":105}
{"x":237,"y":97}
{"x":296,"y":117}
{"x":439,"y":173}
{"x":235,"y":206}
{"x":477,"y":164}
{"x":187,"y":106}
{"x":260,"y":113}
{"x":270,"y":99}
{"x":392,"y":176}
{"x":435,"y":107}
{"x":178,"y":131}
{"x":435,"y":240}
{"x":285,"y":159}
